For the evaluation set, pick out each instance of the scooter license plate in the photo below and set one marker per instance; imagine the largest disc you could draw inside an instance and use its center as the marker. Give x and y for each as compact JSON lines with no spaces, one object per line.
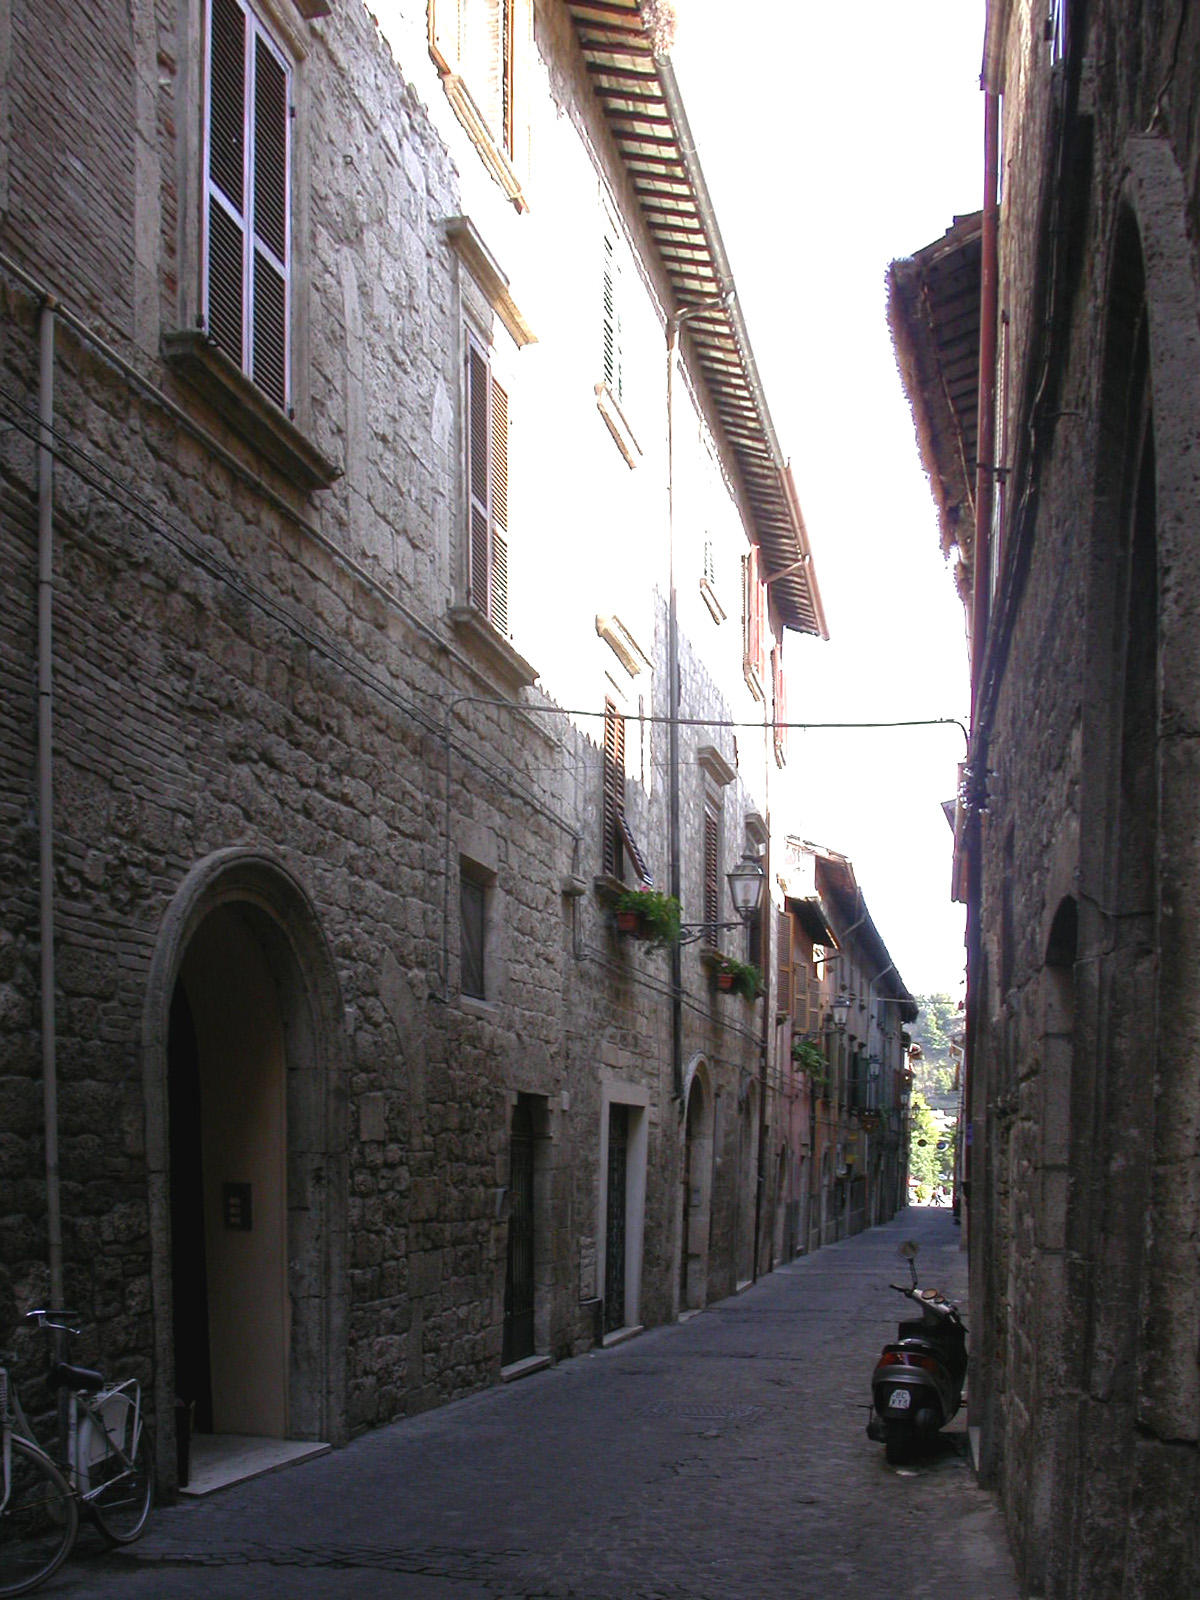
{"x":899,"y":1400}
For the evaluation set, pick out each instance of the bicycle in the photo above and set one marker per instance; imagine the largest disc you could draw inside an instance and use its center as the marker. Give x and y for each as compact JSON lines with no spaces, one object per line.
{"x":106,"y":1472}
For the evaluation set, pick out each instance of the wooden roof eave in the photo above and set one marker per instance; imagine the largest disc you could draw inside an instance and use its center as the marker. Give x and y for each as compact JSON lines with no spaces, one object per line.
{"x":639,"y":97}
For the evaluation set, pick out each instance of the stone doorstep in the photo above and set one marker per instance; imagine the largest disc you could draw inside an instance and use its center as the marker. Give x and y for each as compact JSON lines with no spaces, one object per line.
{"x":525,"y":1368}
{"x":221,"y":1459}
{"x":620,"y":1335}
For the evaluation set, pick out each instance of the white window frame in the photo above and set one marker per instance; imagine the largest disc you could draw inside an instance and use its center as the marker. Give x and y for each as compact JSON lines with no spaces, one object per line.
{"x":252,"y":242}
{"x":494,"y":606}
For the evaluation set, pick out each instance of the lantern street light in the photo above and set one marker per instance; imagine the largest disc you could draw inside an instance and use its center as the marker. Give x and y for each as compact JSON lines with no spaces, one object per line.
{"x":746,"y":882}
{"x":841,"y":1011}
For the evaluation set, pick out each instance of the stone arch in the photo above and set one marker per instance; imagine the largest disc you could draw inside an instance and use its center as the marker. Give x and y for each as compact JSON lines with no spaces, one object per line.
{"x":747,"y":1181}
{"x":268,"y":901}
{"x":696,"y":1183}
{"x":1131,"y":1173}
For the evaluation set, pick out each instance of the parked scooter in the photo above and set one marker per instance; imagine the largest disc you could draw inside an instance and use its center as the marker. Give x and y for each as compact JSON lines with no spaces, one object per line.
{"x":918,"y":1381}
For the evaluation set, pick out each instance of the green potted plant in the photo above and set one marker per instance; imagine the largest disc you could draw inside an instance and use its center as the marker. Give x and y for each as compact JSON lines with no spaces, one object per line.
{"x":648,"y":914}
{"x":809,"y":1057}
{"x":740,"y":977}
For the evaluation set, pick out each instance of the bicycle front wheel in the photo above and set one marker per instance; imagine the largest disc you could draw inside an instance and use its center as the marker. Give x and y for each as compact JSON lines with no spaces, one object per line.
{"x":120,"y":1494}
{"x":38,"y":1524}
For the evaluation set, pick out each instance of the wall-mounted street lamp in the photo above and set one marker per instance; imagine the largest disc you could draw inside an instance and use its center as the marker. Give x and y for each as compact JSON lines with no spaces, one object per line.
{"x":841,"y":1011}
{"x":746,"y":882}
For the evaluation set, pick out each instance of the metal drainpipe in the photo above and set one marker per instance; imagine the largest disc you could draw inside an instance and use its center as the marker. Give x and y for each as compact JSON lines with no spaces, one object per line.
{"x":45,"y":782}
{"x":985,"y":466}
{"x":763,"y":1046}
{"x":673,"y":699}
{"x":674,"y":324}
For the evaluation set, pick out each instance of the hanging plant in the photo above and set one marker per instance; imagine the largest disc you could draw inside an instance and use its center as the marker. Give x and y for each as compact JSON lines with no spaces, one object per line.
{"x":809,"y":1057}
{"x":647,"y":914}
{"x":740,"y":977}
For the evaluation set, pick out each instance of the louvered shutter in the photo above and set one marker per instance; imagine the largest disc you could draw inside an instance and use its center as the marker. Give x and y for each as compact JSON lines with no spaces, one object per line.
{"x":247,"y":252}
{"x":712,"y":867}
{"x":801,"y":1020}
{"x":614,"y":786}
{"x":498,"y":610}
{"x":752,"y":611}
{"x":478,"y":382}
{"x":779,"y":706}
{"x":270,"y":264}
{"x":490,"y":72}
{"x":611,"y":320}
{"x":226,"y":225}
{"x":487,"y":489}
{"x":783,"y":930}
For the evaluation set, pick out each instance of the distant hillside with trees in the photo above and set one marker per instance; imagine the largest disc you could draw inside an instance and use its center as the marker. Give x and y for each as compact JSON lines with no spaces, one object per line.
{"x":935,"y":1027}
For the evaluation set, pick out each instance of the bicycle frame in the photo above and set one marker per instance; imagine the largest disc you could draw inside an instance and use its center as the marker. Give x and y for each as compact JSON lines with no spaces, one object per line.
{"x":102,"y":1432}
{"x":89,"y":1439}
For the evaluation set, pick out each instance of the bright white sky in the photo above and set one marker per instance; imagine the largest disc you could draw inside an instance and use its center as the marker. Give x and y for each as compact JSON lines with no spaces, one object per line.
{"x":835,"y":138}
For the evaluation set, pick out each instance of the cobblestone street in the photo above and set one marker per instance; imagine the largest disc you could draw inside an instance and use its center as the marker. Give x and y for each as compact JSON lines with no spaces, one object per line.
{"x":724,"y":1458}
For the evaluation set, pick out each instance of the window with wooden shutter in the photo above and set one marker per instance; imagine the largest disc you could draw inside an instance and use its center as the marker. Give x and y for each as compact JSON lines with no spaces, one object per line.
{"x":753,"y":613}
{"x":779,"y":715}
{"x":614,"y":788}
{"x":618,"y":837}
{"x":712,"y":870}
{"x":613,"y":360}
{"x":247,"y":251}
{"x":801,"y":1019}
{"x":487,"y":488}
{"x":783,"y":930}
{"x":474,"y":44}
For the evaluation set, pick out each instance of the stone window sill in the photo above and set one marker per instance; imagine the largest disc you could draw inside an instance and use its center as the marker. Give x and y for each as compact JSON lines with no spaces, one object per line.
{"x":614,"y":418}
{"x":475,"y":1007}
{"x":493,"y":157}
{"x":209,"y":371}
{"x":505,"y":662}
{"x":709,"y":596}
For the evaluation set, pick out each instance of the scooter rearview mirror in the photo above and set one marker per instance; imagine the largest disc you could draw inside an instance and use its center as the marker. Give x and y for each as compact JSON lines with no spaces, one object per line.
{"x":909,"y":1250}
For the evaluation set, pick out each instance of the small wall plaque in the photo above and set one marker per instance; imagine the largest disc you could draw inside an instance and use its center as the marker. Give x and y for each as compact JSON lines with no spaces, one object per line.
{"x":236,"y":1206}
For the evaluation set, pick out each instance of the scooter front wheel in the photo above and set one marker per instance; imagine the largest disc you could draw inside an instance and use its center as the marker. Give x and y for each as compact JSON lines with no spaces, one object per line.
{"x":900,"y":1443}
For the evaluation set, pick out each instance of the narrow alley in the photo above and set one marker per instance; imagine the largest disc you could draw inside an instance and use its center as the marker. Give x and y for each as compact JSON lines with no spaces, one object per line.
{"x":719,"y":1458}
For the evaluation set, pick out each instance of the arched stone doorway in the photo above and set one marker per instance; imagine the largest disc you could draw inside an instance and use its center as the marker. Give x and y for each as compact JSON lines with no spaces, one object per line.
{"x":244,"y":1054}
{"x":227,"y":1133}
{"x":696,"y":1190}
{"x":747,"y":1182}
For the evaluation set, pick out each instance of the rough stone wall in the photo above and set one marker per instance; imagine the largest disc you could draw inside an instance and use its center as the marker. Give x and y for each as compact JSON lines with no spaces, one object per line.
{"x":1073,"y":1183}
{"x":239,"y":666}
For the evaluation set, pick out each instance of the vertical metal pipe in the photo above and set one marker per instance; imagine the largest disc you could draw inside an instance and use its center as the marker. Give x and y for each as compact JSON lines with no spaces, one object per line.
{"x":673,"y":699}
{"x":985,"y":466}
{"x":764,"y":946}
{"x":45,"y":787}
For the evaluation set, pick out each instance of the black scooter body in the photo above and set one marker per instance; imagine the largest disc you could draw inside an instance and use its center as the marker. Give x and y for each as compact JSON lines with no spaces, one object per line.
{"x":918,"y":1381}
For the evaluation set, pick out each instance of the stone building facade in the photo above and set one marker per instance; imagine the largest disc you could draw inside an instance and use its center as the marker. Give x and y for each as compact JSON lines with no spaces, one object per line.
{"x":1078,"y":857}
{"x":400,"y":558}
{"x":843,"y":1061}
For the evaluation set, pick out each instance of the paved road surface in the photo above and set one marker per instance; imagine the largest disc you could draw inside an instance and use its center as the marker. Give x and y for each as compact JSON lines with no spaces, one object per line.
{"x":724,"y":1458}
